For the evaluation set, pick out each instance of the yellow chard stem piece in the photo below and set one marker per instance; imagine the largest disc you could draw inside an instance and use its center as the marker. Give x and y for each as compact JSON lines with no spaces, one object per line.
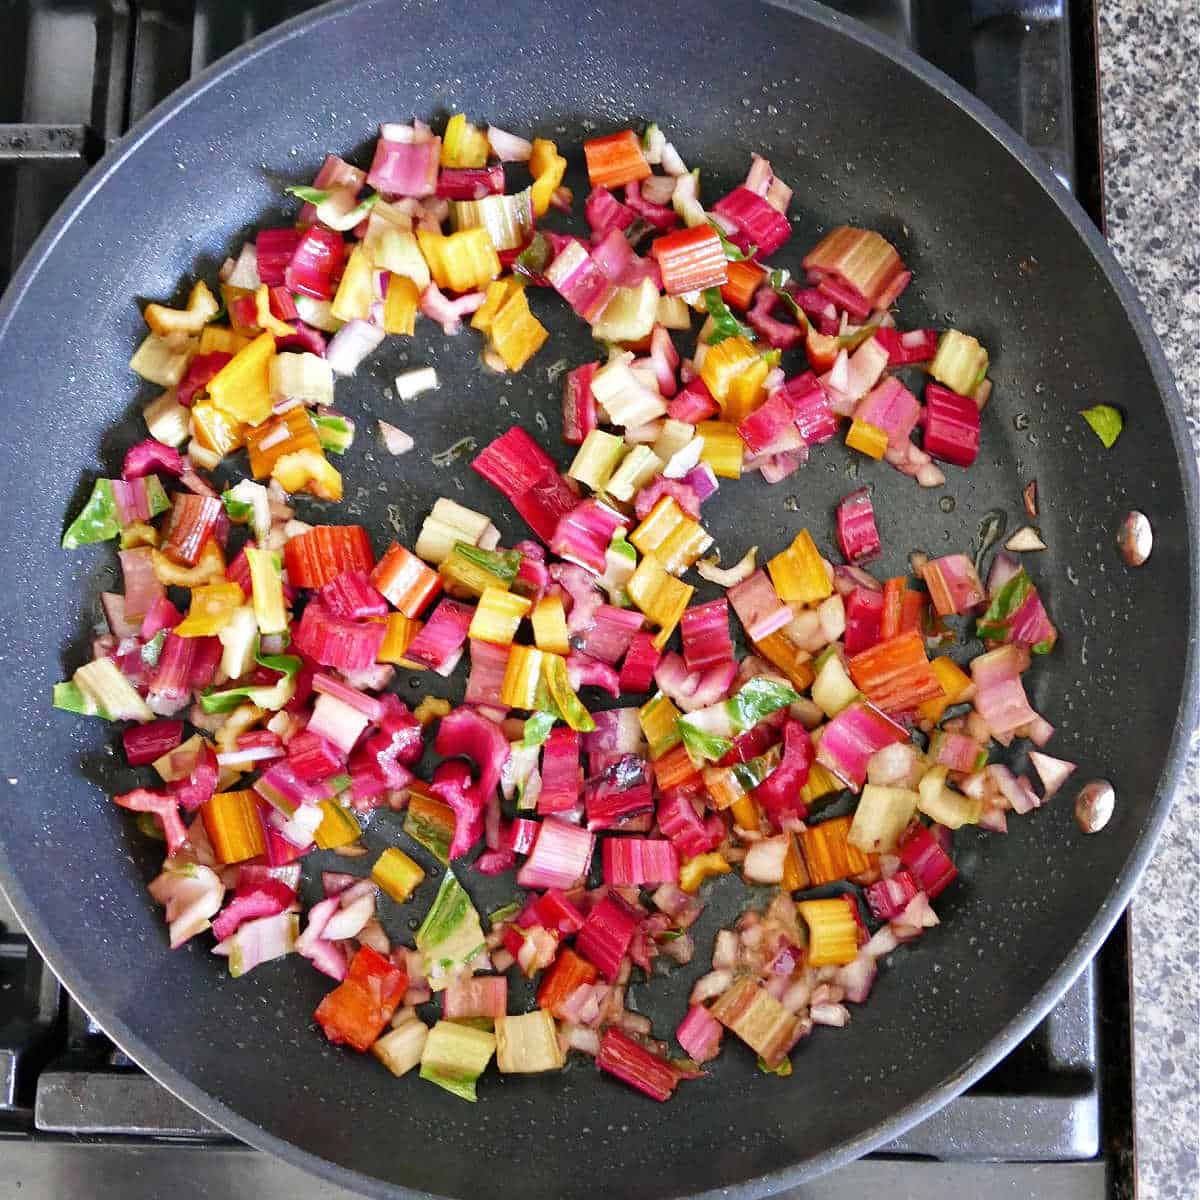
{"x":212,"y":607}
{"x":397,"y":874}
{"x":671,"y":536}
{"x":400,"y":306}
{"x":867,"y":439}
{"x":463,"y":144}
{"x":517,"y":335}
{"x":832,"y":931}
{"x":723,"y":448}
{"x":550,"y":626}
{"x":799,"y":573}
{"x":657,"y":718}
{"x":400,"y":633}
{"x":497,"y":616}
{"x":266,"y":583}
{"x":521,"y":677}
{"x":338,"y":827}
{"x":464,"y":261}
{"x":745,"y":391}
{"x":660,"y":596}
{"x":547,"y":167}
{"x":703,"y":866}
{"x":242,"y":387}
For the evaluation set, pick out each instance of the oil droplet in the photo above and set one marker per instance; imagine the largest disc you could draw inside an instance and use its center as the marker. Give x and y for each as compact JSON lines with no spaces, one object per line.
{"x":946,"y":504}
{"x":791,"y":503}
{"x":1021,"y":421}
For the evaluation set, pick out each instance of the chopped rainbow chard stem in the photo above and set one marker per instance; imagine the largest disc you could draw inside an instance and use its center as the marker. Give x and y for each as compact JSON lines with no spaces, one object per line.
{"x":265,"y":707}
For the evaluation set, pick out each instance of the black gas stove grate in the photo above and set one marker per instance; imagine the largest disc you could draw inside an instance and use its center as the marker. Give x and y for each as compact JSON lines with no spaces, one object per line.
{"x":76,"y":1117}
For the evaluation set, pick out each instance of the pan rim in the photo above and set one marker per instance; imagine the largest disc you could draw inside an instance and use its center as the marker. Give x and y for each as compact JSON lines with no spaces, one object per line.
{"x":1187,"y":718}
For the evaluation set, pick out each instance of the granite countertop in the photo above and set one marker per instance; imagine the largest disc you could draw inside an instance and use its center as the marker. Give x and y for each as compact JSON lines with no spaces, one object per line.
{"x":1151,"y":116}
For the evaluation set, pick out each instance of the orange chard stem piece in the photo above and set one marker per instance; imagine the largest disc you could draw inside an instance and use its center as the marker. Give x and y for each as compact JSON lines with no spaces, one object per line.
{"x":690,"y":260}
{"x":912,"y":610}
{"x":742,"y":280}
{"x":868,"y":439}
{"x":895,"y":674}
{"x":828,"y":855}
{"x":615,"y":160}
{"x":675,"y":769}
{"x":406,"y":582}
{"x":287,"y":434}
{"x":779,"y":650}
{"x":568,"y":972}
{"x":795,"y":874}
{"x":400,"y":633}
{"x":233,"y":826}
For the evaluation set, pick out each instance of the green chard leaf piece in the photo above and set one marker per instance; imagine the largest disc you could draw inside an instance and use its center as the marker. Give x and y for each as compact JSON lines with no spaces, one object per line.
{"x":156,"y":496}
{"x":270,"y":696}
{"x":337,"y":216}
{"x":537,"y":729}
{"x":726,"y":324}
{"x":854,"y":338}
{"x":562,"y":695}
{"x":335,"y":432}
{"x":70,"y":697}
{"x":993,"y":625}
{"x":503,"y":563}
{"x":431,"y":834}
{"x":148,"y":826}
{"x":451,"y":935}
{"x":637,"y":229}
{"x":777,"y":282}
{"x":152,"y":649}
{"x":750,"y":774}
{"x":310,"y":195}
{"x":98,"y":521}
{"x":238,"y":511}
{"x":759,"y":698}
{"x":702,"y":746}
{"x":1106,"y":423}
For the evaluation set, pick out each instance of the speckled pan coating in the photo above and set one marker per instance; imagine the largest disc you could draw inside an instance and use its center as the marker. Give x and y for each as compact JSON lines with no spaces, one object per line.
{"x":864,"y":134}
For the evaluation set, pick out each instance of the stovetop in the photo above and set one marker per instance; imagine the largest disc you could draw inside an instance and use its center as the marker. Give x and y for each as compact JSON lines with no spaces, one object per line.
{"x":77,"y":1118}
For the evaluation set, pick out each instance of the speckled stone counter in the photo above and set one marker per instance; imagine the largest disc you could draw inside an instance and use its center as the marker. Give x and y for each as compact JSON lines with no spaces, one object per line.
{"x":1151,"y":111}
